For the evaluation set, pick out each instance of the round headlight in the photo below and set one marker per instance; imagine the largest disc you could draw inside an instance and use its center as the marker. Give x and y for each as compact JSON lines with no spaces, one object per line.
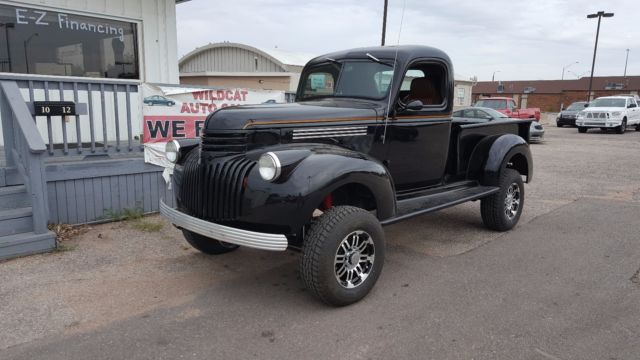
{"x":172,"y":151}
{"x":269,"y":166}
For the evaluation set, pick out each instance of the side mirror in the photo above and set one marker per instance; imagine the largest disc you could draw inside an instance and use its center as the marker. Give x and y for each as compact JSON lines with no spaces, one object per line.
{"x":631,"y":106}
{"x":586,"y":105}
{"x":414,"y":105}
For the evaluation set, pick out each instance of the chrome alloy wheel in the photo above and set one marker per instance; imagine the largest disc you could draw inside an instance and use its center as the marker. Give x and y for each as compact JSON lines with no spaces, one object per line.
{"x":512,"y":201}
{"x":354,"y":259}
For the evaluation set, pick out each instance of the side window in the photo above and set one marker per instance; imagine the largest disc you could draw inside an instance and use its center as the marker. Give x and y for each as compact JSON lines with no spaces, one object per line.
{"x":425,"y":82}
{"x":469,"y":113}
{"x":319,"y":83}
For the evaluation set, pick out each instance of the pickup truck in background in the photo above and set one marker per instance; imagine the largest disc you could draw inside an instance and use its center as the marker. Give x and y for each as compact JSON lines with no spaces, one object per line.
{"x":370,"y":141}
{"x":507,"y":106}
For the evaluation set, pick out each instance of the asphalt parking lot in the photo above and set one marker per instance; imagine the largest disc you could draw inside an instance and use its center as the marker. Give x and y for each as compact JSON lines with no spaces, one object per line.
{"x":564,"y":284}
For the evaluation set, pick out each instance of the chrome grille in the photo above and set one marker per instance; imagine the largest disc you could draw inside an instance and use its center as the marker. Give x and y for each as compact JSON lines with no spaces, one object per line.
{"x":596,"y":115}
{"x":214,"y":190}
{"x":225,"y":142}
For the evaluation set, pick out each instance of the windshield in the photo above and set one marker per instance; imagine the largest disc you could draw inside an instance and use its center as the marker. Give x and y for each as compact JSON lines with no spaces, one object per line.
{"x":360,"y":79}
{"x":493,"y":104}
{"x":604,"y":102}
{"x":576,"y":106}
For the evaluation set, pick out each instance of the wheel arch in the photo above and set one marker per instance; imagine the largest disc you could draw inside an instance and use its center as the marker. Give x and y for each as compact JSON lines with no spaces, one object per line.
{"x":497,"y":152}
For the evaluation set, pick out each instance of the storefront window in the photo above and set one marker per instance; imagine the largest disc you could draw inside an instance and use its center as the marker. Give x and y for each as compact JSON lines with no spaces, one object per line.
{"x":34,"y":41}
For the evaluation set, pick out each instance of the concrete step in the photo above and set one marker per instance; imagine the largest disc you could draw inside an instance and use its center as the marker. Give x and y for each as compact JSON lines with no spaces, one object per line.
{"x":26,"y":244}
{"x":12,"y":197}
{"x":16,"y":221}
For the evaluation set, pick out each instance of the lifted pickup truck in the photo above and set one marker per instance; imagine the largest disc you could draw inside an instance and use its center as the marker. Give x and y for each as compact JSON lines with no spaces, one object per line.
{"x":508,"y":107}
{"x":369,"y":142}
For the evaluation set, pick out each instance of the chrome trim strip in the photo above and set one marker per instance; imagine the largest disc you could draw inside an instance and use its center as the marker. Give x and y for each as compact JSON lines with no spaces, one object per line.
{"x":328,"y":135}
{"x":252,"y":239}
{"x":329,"y":129}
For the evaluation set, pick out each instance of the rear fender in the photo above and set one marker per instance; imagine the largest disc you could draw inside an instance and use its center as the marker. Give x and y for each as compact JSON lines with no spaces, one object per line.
{"x":495,"y":153}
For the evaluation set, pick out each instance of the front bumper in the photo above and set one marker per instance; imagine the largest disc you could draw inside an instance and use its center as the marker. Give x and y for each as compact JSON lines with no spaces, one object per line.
{"x":252,"y":239}
{"x":566,"y":121}
{"x":609,"y":123}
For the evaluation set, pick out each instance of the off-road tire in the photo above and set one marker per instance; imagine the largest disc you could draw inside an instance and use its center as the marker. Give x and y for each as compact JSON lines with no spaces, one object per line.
{"x":622,"y":128}
{"x":208,"y":245}
{"x":319,"y":251}
{"x":582,"y":129}
{"x":493,"y":208}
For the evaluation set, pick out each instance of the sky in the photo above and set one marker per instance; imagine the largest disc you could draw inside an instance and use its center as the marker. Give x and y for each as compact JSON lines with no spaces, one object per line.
{"x":511,"y":40}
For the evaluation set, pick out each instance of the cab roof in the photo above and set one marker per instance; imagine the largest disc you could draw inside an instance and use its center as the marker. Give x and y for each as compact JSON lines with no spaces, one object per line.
{"x":405,"y":53}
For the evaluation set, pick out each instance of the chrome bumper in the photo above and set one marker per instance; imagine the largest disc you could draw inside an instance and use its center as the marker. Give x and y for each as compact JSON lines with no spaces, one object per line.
{"x":256,"y":240}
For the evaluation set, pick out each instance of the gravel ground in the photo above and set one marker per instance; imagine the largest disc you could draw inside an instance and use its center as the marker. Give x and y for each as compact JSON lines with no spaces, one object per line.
{"x":116,"y":272}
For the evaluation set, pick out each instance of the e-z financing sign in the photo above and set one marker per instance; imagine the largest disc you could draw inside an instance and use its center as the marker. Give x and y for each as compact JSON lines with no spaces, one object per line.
{"x":176,"y":113}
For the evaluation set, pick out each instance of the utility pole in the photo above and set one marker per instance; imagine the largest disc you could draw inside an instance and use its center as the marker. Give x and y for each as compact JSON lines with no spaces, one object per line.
{"x":625,"y":64}
{"x":599,"y":15}
{"x":384,"y":21}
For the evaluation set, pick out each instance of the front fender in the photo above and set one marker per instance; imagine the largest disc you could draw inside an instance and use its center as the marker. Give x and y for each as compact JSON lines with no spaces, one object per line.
{"x":494,"y":153}
{"x":309,"y":175}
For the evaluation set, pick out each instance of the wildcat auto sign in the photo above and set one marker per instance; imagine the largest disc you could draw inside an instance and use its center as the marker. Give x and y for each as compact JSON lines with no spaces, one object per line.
{"x":180,"y":112}
{"x":175,"y":113}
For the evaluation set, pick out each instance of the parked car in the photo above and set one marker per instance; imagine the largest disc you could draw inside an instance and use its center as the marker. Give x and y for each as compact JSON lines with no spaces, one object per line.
{"x":354,"y":152}
{"x":568,"y":116}
{"x":158,"y":100}
{"x":536,"y":132}
{"x":610,"y":112}
{"x":480,"y":115}
{"x":507,"y":106}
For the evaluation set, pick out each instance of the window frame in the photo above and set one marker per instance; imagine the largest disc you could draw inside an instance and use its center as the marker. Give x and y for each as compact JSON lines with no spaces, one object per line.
{"x":133,"y":20}
{"x":445,"y":84}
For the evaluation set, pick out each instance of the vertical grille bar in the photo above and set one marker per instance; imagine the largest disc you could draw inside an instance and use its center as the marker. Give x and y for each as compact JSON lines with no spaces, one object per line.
{"x":214,"y":191}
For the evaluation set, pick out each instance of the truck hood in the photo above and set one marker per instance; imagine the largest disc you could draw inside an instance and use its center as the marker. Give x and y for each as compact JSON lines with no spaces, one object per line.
{"x":603,"y":109}
{"x":291,"y":114}
{"x":570,"y":112}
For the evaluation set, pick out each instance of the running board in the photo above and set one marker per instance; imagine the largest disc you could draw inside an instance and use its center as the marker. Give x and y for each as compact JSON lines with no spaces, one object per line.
{"x":429,"y":203}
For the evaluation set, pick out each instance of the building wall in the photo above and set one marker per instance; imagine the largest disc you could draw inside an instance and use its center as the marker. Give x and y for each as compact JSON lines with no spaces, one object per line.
{"x":157,"y":29}
{"x":247,"y":82}
{"x":463,"y":88}
{"x":229,"y":59}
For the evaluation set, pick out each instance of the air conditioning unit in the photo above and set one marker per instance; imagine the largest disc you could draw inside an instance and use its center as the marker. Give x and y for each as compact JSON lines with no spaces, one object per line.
{"x":529,"y":90}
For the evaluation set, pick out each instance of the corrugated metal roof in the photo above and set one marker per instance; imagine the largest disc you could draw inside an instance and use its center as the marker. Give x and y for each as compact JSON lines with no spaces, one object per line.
{"x":631,"y":83}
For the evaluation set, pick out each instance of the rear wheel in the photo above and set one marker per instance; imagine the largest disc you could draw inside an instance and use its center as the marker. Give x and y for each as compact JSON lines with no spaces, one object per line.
{"x":501,"y":211}
{"x":208,"y":245}
{"x":622,"y":128}
{"x":582,"y":129}
{"x":342,"y":255}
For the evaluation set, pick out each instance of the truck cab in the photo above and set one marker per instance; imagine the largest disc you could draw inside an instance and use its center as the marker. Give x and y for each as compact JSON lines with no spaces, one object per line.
{"x":369,"y":141}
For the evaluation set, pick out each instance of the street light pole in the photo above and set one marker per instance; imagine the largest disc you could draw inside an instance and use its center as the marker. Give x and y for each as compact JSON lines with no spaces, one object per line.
{"x":599,"y":15}
{"x":566,"y":67}
{"x":26,"y":54}
{"x":625,"y":64}
{"x":8,"y":26}
{"x":384,"y":21}
{"x":493,"y":77}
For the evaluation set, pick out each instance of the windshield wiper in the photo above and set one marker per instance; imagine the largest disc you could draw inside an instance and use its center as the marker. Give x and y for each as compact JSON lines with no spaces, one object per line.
{"x":375,"y":59}
{"x":333,"y":61}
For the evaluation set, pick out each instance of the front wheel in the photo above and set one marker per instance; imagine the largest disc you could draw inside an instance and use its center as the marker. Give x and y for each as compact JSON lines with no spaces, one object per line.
{"x":638,"y":127}
{"x":501,"y":211}
{"x":622,"y":128}
{"x":208,"y":245}
{"x":582,"y":129}
{"x":342,"y":255}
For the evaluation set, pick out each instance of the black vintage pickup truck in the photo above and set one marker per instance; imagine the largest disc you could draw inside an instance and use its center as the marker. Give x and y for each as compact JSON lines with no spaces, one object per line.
{"x":370,"y":141}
